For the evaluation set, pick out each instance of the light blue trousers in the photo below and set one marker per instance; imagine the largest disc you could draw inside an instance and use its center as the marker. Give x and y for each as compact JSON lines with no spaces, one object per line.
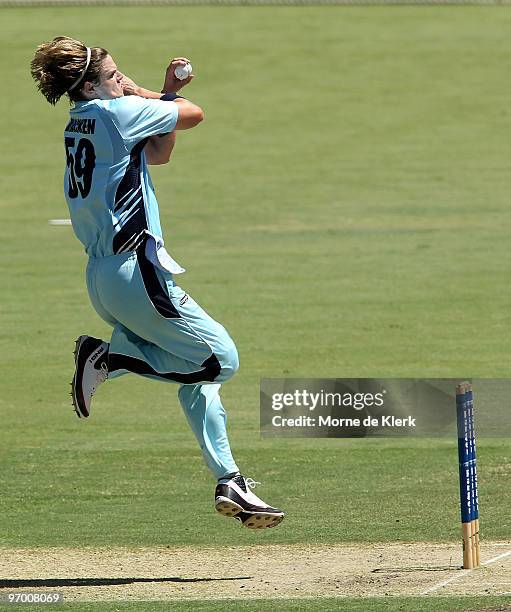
{"x":160,"y":332}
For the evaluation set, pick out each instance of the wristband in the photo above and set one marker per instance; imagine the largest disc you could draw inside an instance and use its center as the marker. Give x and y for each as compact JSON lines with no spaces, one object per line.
{"x":169,"y":97}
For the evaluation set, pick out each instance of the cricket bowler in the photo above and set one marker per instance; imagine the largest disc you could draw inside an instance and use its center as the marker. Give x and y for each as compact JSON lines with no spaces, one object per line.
{"x":115,"y":130}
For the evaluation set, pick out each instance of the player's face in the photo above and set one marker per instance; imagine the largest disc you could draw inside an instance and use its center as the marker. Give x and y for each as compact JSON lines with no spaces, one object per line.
{"x":110,"y":81}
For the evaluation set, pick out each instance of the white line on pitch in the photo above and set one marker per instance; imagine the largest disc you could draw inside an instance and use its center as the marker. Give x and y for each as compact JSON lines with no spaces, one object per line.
{"x":497,"y":558}
{"x":440,"y":585}
{"x":59,"y":221}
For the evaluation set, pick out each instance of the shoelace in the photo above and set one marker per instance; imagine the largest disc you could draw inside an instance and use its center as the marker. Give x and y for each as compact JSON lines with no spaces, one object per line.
{"x":252,"y":483}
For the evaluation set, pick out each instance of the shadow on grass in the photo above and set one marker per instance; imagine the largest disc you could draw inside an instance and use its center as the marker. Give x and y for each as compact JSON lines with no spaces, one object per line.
{"x":72,"y":582}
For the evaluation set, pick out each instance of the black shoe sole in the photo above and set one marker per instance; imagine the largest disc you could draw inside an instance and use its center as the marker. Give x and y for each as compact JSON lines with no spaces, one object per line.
{"x":76,"y":384}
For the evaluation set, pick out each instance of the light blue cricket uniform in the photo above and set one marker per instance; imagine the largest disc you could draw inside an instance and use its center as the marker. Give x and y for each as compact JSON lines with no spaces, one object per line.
{"x":158,"y":330}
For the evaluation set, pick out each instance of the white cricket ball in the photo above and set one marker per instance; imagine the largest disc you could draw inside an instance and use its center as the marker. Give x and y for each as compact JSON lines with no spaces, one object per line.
{"x":183,"y":72}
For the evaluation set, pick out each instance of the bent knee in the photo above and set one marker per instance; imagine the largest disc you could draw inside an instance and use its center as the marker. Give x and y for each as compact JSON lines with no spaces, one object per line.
{"x":229,"y":361}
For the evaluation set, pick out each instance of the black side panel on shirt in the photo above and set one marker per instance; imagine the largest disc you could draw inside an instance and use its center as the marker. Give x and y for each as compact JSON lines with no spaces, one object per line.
{"x":132,"y":231}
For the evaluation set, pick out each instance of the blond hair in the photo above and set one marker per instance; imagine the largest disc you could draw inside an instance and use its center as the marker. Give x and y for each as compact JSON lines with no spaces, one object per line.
{"x":60,"y":66}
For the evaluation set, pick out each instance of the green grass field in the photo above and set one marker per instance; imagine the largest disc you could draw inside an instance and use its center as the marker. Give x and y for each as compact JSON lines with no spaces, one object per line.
{"x":343,"y":210}
{"x":441,"y":604}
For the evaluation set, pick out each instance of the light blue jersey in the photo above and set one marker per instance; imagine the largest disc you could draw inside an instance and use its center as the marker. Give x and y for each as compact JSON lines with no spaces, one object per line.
{"x":108,"y":189}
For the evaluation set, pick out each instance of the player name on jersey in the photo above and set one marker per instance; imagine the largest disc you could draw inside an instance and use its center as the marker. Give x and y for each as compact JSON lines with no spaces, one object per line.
{"x":82,"y":126}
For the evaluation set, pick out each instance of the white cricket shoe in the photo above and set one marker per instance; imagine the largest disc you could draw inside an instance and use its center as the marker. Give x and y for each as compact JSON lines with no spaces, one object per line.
{"x":234,"y":498}
{"x":91,"y":370}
